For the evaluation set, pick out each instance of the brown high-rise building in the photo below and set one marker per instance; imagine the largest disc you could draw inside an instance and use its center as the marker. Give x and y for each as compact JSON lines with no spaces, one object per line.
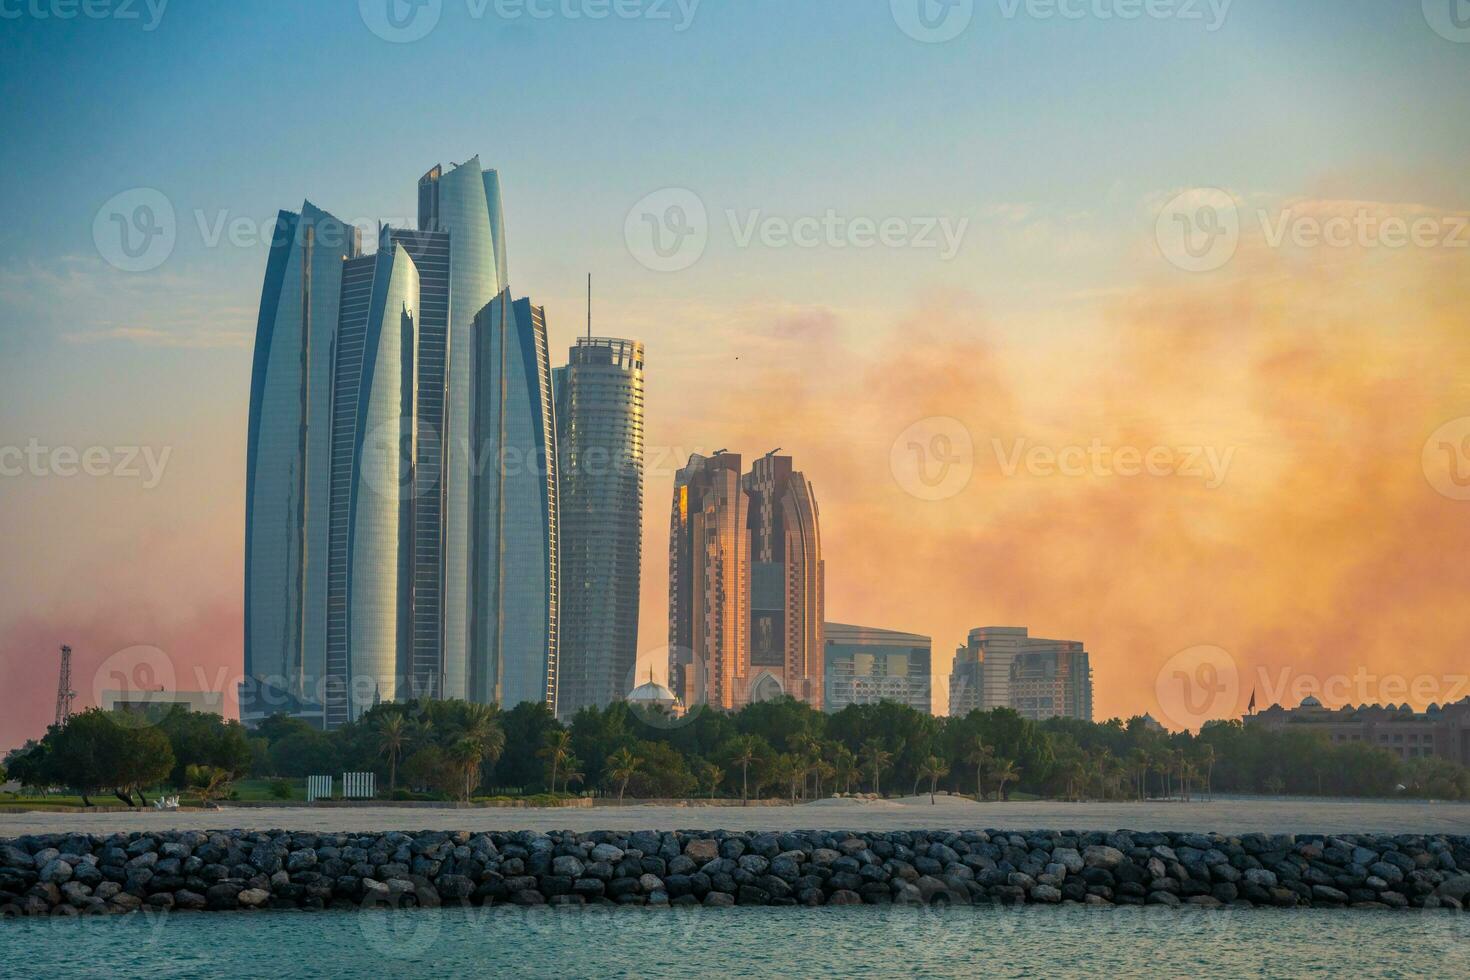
{"x":746,"y":583}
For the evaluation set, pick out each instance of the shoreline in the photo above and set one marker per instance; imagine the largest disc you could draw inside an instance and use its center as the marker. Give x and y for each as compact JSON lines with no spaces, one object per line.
{"x":1226,"y":816}
{"x":194,"y":870}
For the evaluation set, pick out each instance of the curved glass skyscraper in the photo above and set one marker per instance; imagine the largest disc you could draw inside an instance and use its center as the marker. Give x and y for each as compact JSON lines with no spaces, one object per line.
{"x":401,"y":527}
{"x":599,"y":416}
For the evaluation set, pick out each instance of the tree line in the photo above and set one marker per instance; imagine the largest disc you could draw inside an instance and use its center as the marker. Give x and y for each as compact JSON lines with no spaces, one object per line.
{"x":126,"y":753}
{"x":784,"y":748}
{"x":781,"y":748}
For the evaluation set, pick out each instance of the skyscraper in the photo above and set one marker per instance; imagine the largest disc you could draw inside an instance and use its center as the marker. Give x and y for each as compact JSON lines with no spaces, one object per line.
{"x":709,"y":581}
{"x":401,"y":486}
{"x":599,"y":415}
{"x":287,"y":459}
{"x":746,"y":583}
{"x":514,"y":621}
{"x":787,"y":587}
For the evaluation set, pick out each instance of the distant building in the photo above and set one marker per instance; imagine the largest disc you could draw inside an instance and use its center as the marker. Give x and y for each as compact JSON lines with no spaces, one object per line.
{"x":746,"y":583}
{"x":599,"y":417}
{"x":863,"y":665}
{"x":1439,"y":731}
{"x":1052,"y":684}
{"x":654,"y":697}
{"x":1005,"y":667}
{"x":147,"y":702}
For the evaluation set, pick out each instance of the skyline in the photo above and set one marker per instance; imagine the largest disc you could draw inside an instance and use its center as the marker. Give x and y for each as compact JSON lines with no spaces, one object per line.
{"x":1316,"y":374}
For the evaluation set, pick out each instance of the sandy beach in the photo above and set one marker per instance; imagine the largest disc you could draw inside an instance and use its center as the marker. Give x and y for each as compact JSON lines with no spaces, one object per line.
{"x":1234,"y":816}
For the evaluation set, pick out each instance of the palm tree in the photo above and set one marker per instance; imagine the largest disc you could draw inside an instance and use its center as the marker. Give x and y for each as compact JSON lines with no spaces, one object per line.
{"x":392,"y":733}
{"x":557,"y":750}
{"x":788,"y":769}
{"x":710,"y":777}
{"x":933,"y":769}
{"x":1138,"y":762}
{"x":621,"y":766}
{"x":746,"y":747}
{"x":980,"y":756}
{"x":844,"y":767}
{"x":466,"y":754}
{"x":1205,"y":756}
{"x":1005,"y":771}
{"x":878,"y":759}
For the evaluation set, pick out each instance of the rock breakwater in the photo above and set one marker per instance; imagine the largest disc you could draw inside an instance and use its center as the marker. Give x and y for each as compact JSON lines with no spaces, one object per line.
{"x":243,"y":870}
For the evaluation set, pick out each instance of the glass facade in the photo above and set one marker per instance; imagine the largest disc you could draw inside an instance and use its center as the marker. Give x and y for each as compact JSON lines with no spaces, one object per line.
{"x":599,"y":414}
{"x":463,"y":202}
{"x":515,"y":616}
{"x":401,"y":496}
{"x":430,"y":253}
{"x":288,"y":464}
{"x":866,"y":666}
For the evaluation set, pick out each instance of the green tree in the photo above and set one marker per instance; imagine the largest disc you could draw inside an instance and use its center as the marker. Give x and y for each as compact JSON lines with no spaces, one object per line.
{"x":556,"y":750}
{"x":1004,"y":771}
{"x":934,"y":769}
{"x":746,"y":749}
{"x":622,"y":765}
{"x":878,"y":758}
{"x":392,"y":730}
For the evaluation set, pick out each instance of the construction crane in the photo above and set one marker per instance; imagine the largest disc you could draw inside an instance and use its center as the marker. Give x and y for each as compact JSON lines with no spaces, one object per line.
{"x":64,"y":693}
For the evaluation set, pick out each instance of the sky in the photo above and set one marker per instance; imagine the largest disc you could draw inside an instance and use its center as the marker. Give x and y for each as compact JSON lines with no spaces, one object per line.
{"x":1139,"y":324}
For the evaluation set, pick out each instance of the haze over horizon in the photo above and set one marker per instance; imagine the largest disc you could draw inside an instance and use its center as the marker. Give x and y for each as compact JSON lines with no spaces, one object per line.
{"x":1313,"y":392}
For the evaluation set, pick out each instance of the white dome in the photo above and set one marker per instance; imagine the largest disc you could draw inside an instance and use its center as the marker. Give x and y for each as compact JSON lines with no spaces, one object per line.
{"x":652,"y":693}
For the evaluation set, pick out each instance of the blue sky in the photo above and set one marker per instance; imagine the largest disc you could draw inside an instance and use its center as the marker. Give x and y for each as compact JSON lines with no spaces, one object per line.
{"x":1055,"y":140}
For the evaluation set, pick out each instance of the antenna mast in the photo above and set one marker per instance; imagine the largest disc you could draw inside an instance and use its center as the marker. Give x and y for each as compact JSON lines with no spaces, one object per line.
{"x":589,"y":306}
{"x":64,"y":693}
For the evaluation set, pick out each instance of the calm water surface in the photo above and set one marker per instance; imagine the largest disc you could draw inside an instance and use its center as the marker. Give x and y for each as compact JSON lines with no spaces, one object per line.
{"x":862,"y":941}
